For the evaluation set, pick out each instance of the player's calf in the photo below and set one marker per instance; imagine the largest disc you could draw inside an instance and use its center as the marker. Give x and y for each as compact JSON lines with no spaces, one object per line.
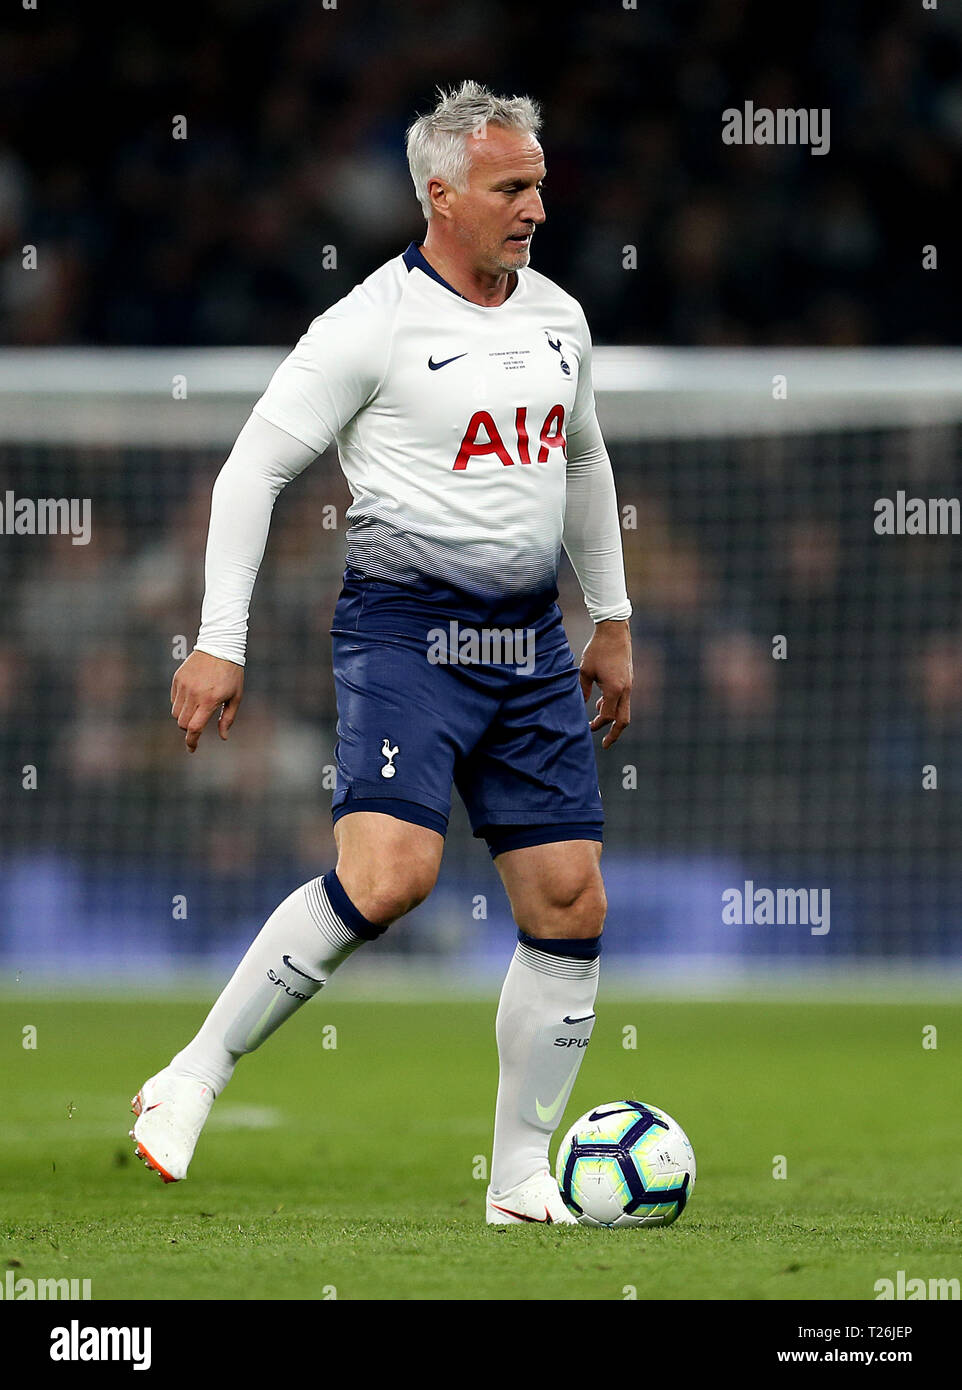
{"x":546,"y":1012}
{"x":302,"y":943}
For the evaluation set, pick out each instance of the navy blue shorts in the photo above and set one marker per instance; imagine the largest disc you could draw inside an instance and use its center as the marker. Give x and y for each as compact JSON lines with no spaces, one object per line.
{"x":436,"y":688}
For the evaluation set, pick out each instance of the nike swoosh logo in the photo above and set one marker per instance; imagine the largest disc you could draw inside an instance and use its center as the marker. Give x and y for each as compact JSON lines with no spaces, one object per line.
{"x":547,"y":1114}
{"x":436,"y":366}
{"x":303,"y":973}
{"x":566,"y":1019}
{"x":603,"y":1114}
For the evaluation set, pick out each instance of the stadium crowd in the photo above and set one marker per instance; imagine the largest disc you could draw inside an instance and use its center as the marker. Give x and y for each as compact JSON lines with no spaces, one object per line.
{"x":291,"y":182}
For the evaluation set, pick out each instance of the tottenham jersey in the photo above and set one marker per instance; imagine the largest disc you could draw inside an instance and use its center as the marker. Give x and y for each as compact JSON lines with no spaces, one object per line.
{"x":452,"y":420}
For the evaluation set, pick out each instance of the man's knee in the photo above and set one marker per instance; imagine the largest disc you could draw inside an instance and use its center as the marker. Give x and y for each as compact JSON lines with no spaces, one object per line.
{"x":383,"y":902}
{"x":586,"y":912}
{"x":386,"y":866}
{"x":571,"y":905}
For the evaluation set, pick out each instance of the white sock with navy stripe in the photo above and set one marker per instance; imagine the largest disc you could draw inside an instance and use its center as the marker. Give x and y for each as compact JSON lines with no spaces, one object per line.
{"x":544,"y":1022}
{"x":293,"y":956}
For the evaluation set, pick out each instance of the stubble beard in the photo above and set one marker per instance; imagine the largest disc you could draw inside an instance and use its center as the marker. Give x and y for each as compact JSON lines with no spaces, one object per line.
{"x":509,"y":262}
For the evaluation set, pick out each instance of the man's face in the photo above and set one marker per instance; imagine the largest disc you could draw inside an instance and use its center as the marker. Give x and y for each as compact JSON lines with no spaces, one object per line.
{"x":498,"y":211}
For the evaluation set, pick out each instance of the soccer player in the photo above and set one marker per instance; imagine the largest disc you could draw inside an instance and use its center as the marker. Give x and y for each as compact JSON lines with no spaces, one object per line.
{"x":457,"y":384}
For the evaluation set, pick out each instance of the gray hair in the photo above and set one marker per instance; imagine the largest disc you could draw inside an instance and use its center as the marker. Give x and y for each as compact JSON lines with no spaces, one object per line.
{"x":437,"y":142}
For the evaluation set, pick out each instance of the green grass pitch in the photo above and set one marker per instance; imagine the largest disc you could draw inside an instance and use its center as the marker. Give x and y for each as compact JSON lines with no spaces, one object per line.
{"x":352,"y":1168}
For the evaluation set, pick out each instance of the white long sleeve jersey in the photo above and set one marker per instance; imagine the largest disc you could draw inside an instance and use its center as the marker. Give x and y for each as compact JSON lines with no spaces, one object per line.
{"x":467,"y":435}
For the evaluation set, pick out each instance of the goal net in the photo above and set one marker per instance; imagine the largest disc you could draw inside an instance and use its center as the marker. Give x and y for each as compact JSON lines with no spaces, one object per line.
{"x":787,"y":796}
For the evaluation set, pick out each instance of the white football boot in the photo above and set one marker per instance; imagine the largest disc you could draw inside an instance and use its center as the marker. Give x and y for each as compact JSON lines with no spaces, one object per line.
{"x":537,"y":1199}
{"x":171,"y":1111}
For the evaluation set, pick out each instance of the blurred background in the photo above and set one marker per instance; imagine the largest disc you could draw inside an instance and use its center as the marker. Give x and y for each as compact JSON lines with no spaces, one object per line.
{"x":205,"y":259}
{"x":295,"y":123}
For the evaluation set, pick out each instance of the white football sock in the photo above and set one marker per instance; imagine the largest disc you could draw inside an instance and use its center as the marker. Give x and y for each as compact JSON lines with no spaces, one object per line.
{"x":544,"y":1021}
{"x":296,"y":951}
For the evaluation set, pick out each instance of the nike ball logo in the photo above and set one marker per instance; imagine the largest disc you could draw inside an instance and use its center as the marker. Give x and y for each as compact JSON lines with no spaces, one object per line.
{"x":436,"y":366}
{"x":604,"y":1114}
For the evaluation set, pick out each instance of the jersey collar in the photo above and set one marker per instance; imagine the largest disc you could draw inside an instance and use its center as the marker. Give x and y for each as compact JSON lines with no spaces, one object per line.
{"x":414,"y":260}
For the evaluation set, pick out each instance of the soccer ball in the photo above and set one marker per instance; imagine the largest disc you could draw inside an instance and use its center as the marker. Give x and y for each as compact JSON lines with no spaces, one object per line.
{"x":626,"y":1164}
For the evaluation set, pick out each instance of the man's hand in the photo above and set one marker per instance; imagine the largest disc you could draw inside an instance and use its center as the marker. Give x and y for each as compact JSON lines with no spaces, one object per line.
{"x":606,"y":662}
{"x":201,"y":685}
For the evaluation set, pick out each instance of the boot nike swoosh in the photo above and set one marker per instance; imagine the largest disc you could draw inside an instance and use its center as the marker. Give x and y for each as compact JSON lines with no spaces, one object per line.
{"x":540,"y":1220}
